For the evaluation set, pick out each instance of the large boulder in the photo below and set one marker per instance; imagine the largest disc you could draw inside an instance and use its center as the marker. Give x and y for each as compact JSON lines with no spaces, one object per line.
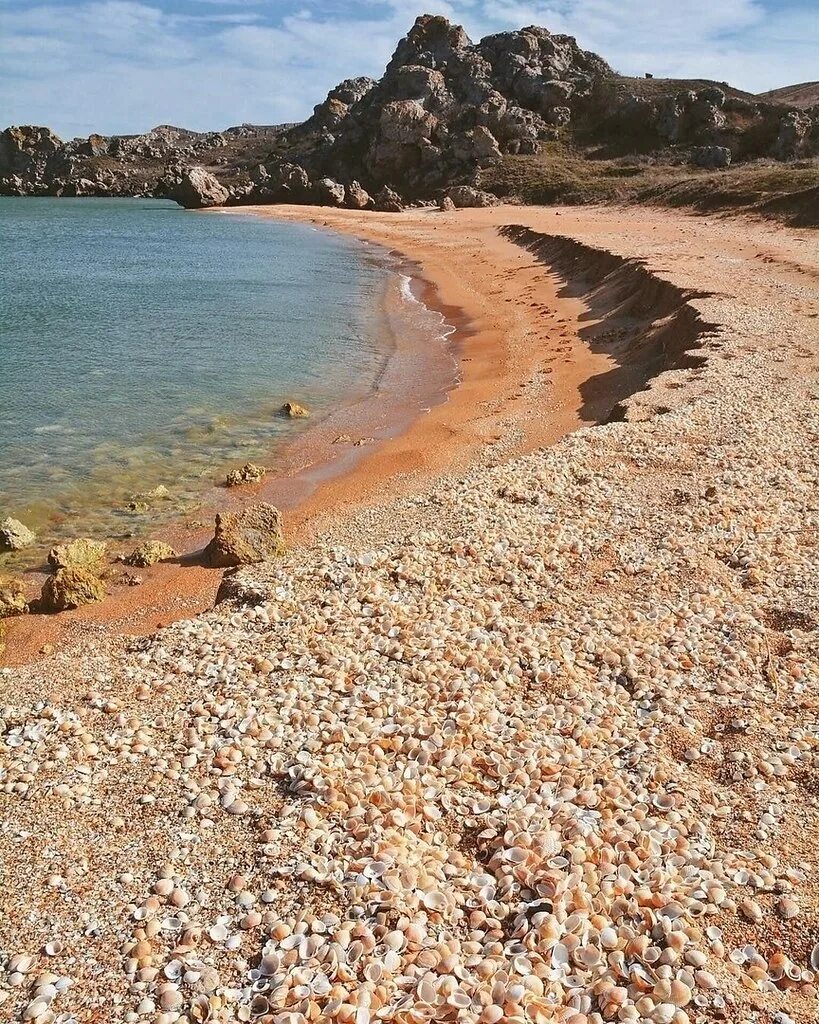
{"x":712,"y":156}
{"x":246,"y":536}
{"x":794,"y":132}
{"x":330,"y":192}
{"x":82,"y":553}
{"x":195,"y":189}
{"x":388,"y":201}
{"x":357,"y":197}
{"x":14,"y":535}
{"x":71,"y":588}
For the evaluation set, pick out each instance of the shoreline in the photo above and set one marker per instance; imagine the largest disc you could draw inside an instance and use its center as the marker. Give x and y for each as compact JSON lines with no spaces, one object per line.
{"x":552,"y":700}
{"x":496,"y":357}
{"x":324,"y":450}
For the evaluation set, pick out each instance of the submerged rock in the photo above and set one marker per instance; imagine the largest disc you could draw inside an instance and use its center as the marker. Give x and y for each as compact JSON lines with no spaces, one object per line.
{"x":250,"y":473}
{"x":149,"y":552}
{"x":14,"y":535}
{"x":81,"y":553}
{"x":295,"y":411}
{"x":71,"y":588}
{"x":246,"y":536}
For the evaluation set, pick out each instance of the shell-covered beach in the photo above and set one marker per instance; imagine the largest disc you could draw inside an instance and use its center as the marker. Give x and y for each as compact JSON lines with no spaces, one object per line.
{"x":524,"y":725}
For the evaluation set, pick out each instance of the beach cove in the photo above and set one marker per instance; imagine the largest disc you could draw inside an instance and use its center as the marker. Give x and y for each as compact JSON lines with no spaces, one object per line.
{"x":533,"y":695}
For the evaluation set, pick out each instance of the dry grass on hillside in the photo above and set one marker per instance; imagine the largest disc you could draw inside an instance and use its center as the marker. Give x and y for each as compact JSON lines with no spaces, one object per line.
{"x":787,"y":192}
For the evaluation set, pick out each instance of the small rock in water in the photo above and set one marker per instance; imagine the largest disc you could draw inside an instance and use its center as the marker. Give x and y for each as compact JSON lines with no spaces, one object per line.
{"x":149,"y":552}
{"x":14,"y":535}
{"x":250,"y":535}
{"x":295,"y":411}
{"x":250,"y":473}
{"x":81,"y":553}
{"x":71,"y":588}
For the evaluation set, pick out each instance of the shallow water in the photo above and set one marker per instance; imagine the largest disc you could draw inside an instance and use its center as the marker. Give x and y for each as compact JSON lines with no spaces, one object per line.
{"x":142,"y":346}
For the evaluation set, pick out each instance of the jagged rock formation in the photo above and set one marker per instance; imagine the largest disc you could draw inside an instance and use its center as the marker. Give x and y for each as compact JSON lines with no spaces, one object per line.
{"x":445,"y":112}
{"x":194,"y":188}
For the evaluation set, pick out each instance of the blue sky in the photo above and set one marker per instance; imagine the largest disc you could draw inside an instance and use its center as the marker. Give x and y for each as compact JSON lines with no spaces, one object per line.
{"x":126,"y":65}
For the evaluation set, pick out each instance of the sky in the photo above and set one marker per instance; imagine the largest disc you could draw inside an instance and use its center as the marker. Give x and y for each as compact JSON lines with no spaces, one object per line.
{"x":123,"y":66}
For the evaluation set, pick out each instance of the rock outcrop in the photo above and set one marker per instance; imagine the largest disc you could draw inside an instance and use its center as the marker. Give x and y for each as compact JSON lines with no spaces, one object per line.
{"x":712,"y":156}
{"x":250,"y":473}
{"x":464,"y":197}
{"x":388,"y":201}
{"x":445,"y":112}
{"x":12,"y":599}
{"x":149,"y":552}
{"x":195,"y":189}
{"x":71,"y":588}
{"x":250,"y":535}
{"x":15,"y":536}
{"x":82,"y":553}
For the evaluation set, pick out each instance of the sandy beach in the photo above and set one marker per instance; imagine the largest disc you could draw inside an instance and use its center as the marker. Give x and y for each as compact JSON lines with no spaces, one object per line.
{"x":520,"y":366}
{"x":523,"y":728}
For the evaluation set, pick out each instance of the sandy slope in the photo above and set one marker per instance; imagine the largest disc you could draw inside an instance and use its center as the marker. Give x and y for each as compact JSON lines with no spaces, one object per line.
{"x":531,"y":740}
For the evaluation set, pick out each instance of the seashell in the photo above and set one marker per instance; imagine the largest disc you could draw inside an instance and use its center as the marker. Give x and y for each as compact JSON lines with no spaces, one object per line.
{"x":751,"y":910}
{"x":201,"y":1009}
{"x":20,"y":963}
{"x":259,"y":1006}
{"x":53,"y":947}
{"x":269,"y":964}
{"x":173,"y":970}
{"x":217,"y":933}
{"x":814,"y":957}
{"x":434,"y":901}
{"x":560,"y":955}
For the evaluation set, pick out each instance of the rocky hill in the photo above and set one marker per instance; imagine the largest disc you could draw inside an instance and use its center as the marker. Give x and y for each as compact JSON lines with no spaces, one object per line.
{"x":804,"y":95}
{"x":445,"y":115}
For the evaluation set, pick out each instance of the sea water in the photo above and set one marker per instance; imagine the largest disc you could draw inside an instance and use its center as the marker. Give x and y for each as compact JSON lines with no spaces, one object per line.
{"x":142,"y":345}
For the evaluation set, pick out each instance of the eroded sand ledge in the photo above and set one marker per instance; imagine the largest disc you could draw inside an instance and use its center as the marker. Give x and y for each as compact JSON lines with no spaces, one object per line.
{"x":507,"y":746}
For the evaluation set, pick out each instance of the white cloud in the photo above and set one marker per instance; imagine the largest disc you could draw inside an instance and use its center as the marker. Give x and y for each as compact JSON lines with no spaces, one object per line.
{"x":125,"y":65}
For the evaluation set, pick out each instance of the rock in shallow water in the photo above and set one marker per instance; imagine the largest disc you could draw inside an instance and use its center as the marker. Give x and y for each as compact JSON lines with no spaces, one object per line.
{"x":294,"y":410}
{"x":250,"y":473}
{"x":71,"y":588}
{"x":14,"y":535}
{"x":249,"y":535}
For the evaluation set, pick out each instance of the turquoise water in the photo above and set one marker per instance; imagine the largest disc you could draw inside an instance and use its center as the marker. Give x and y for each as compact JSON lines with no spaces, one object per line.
{"x":142,"y":345}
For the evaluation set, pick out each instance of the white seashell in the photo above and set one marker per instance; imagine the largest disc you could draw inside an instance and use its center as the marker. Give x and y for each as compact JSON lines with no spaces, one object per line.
{"x":218,"y":933}
{"x":814,"y":957}
{"x":173,"y":970}
{"x":434,"y":901}
{"x":53,"y":947}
